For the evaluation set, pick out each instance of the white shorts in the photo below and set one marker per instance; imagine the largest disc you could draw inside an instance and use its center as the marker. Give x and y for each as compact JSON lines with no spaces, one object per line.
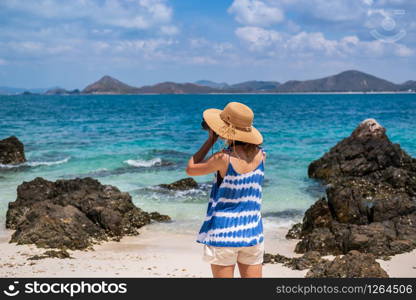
{"x":226,"y":256}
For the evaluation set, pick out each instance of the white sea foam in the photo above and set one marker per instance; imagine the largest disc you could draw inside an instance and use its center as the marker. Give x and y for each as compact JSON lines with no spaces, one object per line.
{"x":36,"y":163}
{"x":278,"y":223}
{"x":144,"y":163}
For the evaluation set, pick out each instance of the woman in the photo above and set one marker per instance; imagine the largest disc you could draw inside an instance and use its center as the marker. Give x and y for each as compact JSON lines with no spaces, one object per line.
{"x":232,"y":232}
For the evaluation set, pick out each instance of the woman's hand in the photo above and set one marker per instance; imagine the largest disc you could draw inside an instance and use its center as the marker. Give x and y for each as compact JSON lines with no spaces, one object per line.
{"x":198,"y":166}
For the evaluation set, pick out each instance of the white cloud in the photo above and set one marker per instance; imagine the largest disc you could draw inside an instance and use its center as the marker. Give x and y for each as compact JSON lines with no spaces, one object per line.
{"x":404,"y":51}
{"x":292,"y":26}
{"x":36,"y":48}
{"x":92,"y":29}
{"x":169,"y":30}
{"x":140,"y":14}
{"x":336,"y":11}
{"x":333,"y":11}
{"x":258,"y":38}
{"x":221,"y":48}
{"x":198,"y":42}
{"x":202,"y":60}
{"x":146,"y":46}
{"x":314,"y":44}
{"x":101,"y":46}
{"x":255,"y":12}
{"x":212,"y":47}
{"x":158,"y":9}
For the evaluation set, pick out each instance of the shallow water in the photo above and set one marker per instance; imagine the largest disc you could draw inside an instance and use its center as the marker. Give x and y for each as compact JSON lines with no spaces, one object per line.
{"x":136,"y":142}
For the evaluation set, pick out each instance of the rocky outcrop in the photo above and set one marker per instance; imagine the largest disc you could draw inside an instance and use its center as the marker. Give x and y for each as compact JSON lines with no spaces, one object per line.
{"x":181,"y":185}
{"x":352,"y":265}
{"x":303,"y":262}
{"x":295,"y":231}
{"x":12,"y":151}
{"x":370,"y":202}
{"x":73,"y":214}
{"x":368,"y":151}
{"x":51,"y":254}
{"x":159,"y":217}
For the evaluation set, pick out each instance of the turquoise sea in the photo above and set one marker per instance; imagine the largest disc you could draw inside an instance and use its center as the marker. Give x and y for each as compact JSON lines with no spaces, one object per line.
{"x":136,"y":142}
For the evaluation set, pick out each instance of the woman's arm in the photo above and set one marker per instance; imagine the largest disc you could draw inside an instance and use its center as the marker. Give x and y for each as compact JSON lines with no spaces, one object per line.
{"x":202,"y":152}
{"x":196,"y":164}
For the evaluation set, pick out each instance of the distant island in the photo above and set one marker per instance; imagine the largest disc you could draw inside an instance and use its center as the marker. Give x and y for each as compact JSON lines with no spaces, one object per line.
{"x":351,"y":81}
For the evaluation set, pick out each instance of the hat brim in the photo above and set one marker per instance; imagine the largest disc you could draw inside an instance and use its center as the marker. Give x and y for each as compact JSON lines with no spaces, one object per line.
{"x":214,"y":121}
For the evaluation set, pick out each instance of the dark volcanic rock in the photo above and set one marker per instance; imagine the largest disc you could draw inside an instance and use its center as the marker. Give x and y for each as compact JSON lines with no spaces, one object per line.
{"x":319,"y":239}
{"x":371,"y":197}
{"x":275,"y":259}
{"x":368,"y":150}
{"x":48,"y":225}
{"x":295,"y":231}
{"x":182,"y":184}
{"x":52,"y":254}
{"x":352,"y":265}
{"x":73,"y":214}
{"x":11,"y":151}
{"x":306,"y":261}
{"x":159,"y":218}
{"x":317,"y":216}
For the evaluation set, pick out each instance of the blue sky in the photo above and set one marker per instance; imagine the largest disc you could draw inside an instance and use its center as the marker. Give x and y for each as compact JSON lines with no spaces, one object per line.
{"x":46,"y":43}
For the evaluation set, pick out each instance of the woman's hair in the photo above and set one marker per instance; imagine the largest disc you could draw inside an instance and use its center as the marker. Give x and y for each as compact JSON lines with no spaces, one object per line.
{"x":248,"y":148}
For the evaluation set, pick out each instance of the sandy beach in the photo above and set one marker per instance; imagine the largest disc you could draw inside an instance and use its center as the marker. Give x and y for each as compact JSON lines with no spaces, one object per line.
{"x":155,"y":254}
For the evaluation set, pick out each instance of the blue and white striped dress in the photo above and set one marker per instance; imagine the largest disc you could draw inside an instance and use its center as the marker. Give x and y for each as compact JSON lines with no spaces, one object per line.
{"x":233,"y":216}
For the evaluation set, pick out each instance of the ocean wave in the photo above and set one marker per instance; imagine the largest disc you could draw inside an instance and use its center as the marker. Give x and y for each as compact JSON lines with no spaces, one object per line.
{"x":160,"y":194}
{"x":144,"y":163}
{"x":36,"y":163}
{"x":279,"y":223}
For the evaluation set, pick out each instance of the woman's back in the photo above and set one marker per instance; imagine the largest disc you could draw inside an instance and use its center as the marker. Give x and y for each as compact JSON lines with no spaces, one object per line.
{"x":248,"y":163}
{"x":242,"y":161}
{"x":233,"y":215}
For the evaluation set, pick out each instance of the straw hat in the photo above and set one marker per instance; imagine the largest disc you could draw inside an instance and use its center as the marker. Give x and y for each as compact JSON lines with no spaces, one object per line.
{"x":234,"y":122}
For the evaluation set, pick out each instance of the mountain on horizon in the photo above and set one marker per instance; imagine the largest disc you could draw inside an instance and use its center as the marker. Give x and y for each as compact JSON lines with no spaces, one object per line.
{"x":61,"y":91}
{"x":5,"y":90}
{"x":347,"y":81}
{"x":109,"y":85}
{"x":255,"y":86}
{"x":409,"y":85}
{"x":176,"y":88}
{"x":212,"y":84}
{"x":245,"y":87}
